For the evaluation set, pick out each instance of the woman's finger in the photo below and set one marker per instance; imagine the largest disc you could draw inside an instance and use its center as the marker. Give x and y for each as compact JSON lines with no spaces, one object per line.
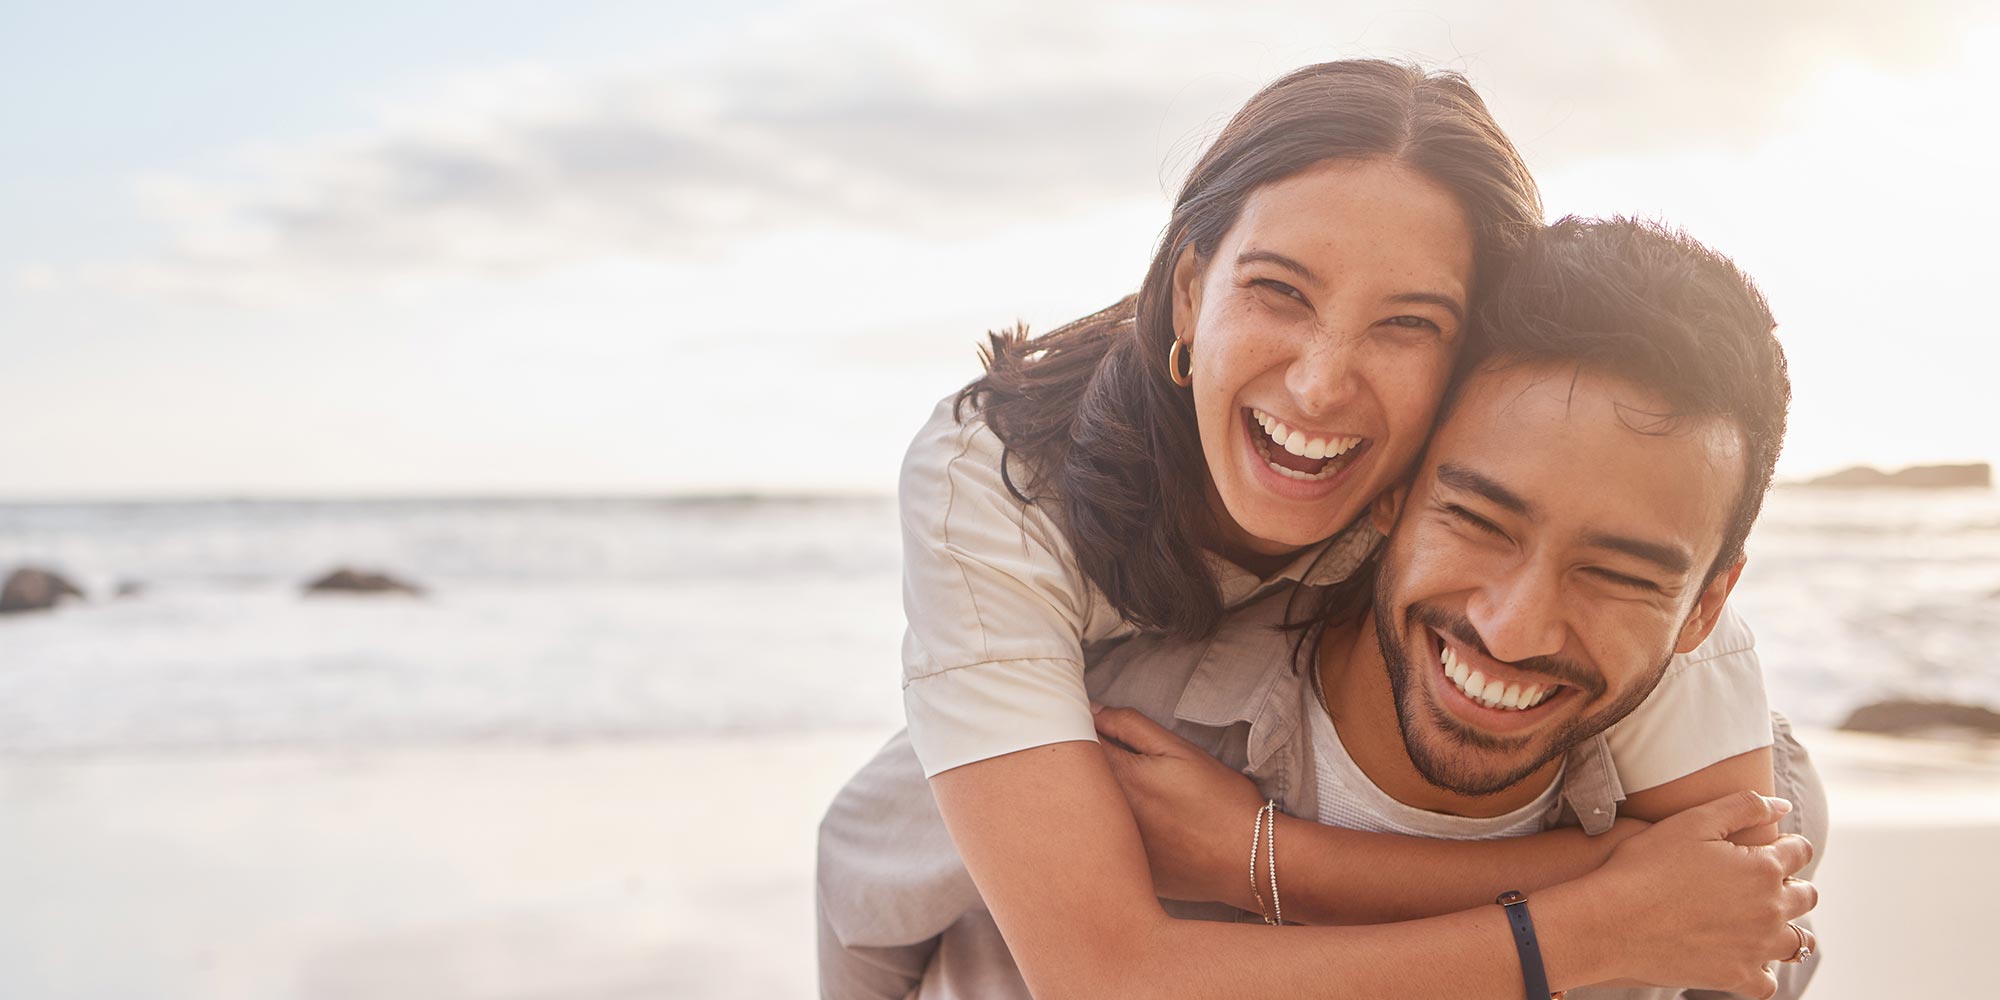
{"x":1726,"y":815}
{"x":1133,"y":729}
{"x":1799,"y":897}
{"x":1793,"y":852}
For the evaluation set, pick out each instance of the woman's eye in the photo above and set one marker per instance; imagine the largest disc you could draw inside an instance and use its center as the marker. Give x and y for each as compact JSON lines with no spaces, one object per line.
{"x":1278,"y":286}
{"x":1413,"y":323}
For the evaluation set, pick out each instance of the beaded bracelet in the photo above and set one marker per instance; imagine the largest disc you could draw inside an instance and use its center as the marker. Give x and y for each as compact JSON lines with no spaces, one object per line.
{"x":1266,"y":830}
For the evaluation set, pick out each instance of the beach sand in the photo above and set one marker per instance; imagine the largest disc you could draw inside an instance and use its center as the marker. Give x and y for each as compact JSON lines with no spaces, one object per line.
{"x":681,"y":869}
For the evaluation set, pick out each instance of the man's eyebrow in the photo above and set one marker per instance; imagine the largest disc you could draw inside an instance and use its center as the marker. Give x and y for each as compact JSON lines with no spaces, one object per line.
{"x":1459,"y":477}
{"x":1671,"y":558}
{"x":1272,"y":257}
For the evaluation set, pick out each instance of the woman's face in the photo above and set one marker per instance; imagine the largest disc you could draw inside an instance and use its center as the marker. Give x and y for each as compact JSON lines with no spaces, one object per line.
{"x":1322,"y":331}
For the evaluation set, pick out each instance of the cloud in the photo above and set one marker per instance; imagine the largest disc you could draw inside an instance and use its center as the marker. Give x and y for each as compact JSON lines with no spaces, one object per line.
{"x":933,"y":120}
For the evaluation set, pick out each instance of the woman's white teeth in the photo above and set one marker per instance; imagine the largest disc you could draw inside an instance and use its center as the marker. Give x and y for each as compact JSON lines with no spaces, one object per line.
{"x":1295,"y":441}
{"x":1492,"y":692}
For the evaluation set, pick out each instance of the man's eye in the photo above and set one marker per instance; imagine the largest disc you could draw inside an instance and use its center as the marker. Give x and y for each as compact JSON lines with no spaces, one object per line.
{"x":1622,"y":580}
{"x":1468,"y":517}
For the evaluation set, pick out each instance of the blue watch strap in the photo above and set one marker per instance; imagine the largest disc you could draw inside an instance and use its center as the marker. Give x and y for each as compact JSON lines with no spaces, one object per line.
{"x":1534,"y":979}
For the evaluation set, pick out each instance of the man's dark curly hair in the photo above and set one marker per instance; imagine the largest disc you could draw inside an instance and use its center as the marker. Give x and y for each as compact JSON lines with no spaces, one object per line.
{"x":1649,"y":304}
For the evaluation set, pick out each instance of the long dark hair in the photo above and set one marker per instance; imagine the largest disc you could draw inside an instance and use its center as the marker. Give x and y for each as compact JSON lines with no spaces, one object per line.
{"x":1105,"y":432}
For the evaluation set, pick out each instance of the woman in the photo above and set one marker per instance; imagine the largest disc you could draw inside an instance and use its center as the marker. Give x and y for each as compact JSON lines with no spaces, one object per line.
{"x":1220,"y":435}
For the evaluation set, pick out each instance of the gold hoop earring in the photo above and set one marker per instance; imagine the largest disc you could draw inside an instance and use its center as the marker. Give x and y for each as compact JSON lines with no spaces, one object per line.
{"x":1182,"y":379}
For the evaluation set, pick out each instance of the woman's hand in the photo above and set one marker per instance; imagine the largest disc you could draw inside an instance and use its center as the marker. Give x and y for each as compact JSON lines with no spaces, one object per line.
{"x":1699,"y":911}
{"x":1195,"y":813}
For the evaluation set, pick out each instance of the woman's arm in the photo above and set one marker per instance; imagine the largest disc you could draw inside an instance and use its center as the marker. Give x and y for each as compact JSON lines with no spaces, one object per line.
{"x":1195,"y":816}
{"x":1058,"y":860}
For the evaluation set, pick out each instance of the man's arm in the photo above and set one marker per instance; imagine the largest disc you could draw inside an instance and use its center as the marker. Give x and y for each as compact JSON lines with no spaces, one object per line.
{"x":1750,"y":770}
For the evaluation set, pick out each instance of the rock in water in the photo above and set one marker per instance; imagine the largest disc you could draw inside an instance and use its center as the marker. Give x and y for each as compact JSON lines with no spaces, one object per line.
{"x":1930,"y":477}
{"x":350,"y":581}
{"x":31,"y":589}
{"x":1901,"y":717}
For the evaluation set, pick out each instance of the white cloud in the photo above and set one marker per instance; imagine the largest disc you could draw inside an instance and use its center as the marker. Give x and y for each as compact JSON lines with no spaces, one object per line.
{"x":929,"y":120}
{"x":624,"y":278}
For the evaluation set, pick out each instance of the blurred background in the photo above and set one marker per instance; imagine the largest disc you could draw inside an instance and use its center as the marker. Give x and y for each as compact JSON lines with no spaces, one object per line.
{"x":599,"y":329}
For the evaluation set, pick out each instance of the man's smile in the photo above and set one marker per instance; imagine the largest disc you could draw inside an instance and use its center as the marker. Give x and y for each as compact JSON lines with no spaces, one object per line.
{"x":1491,"y":697}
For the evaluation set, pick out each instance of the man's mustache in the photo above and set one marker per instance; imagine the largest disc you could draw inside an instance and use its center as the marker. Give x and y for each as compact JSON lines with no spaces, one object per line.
{"x":1459,"y":627}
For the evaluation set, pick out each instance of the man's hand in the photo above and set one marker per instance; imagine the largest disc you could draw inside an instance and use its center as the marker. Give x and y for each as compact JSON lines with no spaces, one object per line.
{"x":1194,"y":812}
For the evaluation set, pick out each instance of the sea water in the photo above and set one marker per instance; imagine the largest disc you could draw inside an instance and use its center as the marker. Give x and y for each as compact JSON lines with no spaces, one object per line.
{"x":578,"y":619}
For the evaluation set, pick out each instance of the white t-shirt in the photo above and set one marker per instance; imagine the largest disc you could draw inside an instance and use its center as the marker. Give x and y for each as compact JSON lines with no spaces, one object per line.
{"x":1350,"y":800}
{"x":998,"y":613}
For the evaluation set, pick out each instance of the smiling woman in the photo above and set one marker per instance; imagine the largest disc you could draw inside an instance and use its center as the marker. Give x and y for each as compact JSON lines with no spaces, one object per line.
{"x":1323,"y":327}
{"x":1158,"y":467}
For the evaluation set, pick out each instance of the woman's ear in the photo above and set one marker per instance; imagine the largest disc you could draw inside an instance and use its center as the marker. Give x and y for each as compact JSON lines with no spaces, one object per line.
{"x":1188,"y":271}
{"x":1387,"y":507}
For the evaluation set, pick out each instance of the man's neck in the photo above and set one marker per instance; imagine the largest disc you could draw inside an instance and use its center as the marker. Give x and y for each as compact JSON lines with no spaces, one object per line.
{"x":1354,"y":681}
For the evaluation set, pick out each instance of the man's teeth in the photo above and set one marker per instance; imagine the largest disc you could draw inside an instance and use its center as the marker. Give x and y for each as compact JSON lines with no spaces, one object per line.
{"x":1491,"y":692}
{"x":1295,"y":441}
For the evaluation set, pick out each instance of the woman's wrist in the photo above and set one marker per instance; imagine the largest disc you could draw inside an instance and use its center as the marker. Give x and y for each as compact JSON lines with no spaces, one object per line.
{"x":1581,"y":943}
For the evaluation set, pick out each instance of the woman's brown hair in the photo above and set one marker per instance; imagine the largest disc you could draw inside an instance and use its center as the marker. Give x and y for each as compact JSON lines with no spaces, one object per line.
{"x":1107,"y":436}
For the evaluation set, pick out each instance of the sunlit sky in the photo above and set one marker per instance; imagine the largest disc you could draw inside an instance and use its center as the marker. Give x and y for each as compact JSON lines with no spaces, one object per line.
{"x":672,"y":247}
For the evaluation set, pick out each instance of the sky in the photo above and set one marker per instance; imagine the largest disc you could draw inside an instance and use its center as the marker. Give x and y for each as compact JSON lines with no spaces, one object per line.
{"x":665,"y":247}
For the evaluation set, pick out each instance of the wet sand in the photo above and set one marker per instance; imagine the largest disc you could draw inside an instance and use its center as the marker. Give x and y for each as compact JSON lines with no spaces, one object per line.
{"x":682,"y":869}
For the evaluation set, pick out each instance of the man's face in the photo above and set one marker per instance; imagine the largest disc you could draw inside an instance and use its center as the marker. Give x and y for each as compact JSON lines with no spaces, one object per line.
{"x":1547,"y":561}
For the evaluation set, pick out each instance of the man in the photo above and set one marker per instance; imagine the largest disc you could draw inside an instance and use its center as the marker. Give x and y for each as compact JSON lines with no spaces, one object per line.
{"x":1577,"y":520}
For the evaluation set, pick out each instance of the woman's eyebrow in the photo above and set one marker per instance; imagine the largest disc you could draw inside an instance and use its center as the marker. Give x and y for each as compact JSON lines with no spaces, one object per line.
{"x":1272,"y":257}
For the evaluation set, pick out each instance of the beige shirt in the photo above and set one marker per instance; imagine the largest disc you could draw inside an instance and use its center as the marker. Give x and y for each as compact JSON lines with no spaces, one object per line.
{"x":999,"y":614}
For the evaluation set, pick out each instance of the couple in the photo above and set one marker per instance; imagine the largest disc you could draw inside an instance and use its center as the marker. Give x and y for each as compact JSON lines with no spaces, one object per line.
{"x":1176,"y":507}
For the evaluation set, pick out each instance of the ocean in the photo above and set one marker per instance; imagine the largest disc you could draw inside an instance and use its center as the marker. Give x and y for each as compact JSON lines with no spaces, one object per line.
{"x":592,"y":619}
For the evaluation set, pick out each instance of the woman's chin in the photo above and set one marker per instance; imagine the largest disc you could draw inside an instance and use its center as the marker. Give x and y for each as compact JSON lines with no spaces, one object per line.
{"x":1275,"y":514}
{"x":1272,"y":526}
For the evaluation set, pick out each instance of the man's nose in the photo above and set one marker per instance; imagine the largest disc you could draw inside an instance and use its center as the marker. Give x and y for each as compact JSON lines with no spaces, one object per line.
{"x":1324,"y":378}
{"x":1520,"y":615}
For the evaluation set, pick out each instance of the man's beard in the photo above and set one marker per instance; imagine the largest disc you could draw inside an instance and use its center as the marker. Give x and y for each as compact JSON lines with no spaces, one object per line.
{"x":1443,"y":759}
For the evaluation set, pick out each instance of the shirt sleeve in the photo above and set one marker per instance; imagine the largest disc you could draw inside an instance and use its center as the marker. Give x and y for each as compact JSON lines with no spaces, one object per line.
{"x":997,"y":608}
{"x":1709,"y":707}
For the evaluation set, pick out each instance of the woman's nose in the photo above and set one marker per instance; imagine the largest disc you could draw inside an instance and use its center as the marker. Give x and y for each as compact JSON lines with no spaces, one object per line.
{"x":1322,"y":380}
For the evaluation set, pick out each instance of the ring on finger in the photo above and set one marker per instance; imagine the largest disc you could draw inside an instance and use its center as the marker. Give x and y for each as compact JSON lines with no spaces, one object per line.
{"x":1805,"y":950}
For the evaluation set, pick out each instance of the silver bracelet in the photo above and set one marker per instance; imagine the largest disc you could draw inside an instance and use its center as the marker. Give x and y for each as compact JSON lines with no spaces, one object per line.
{"x":1256,"y":836}
{"x":1266,"y":830}
{"x":1271,"y":861}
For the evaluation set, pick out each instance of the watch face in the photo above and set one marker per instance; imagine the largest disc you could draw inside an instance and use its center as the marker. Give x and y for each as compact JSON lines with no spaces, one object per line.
{"x":1511,"y":897}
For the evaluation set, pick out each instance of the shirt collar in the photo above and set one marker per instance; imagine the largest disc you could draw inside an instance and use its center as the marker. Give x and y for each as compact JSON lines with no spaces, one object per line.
{"x":1246,"y":674}
{"x":1328,"y":562}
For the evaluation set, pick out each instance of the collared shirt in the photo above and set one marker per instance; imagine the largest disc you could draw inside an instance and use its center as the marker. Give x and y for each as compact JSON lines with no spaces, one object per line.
{"x":892,"y":890}
{"x":1001,"y":621}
